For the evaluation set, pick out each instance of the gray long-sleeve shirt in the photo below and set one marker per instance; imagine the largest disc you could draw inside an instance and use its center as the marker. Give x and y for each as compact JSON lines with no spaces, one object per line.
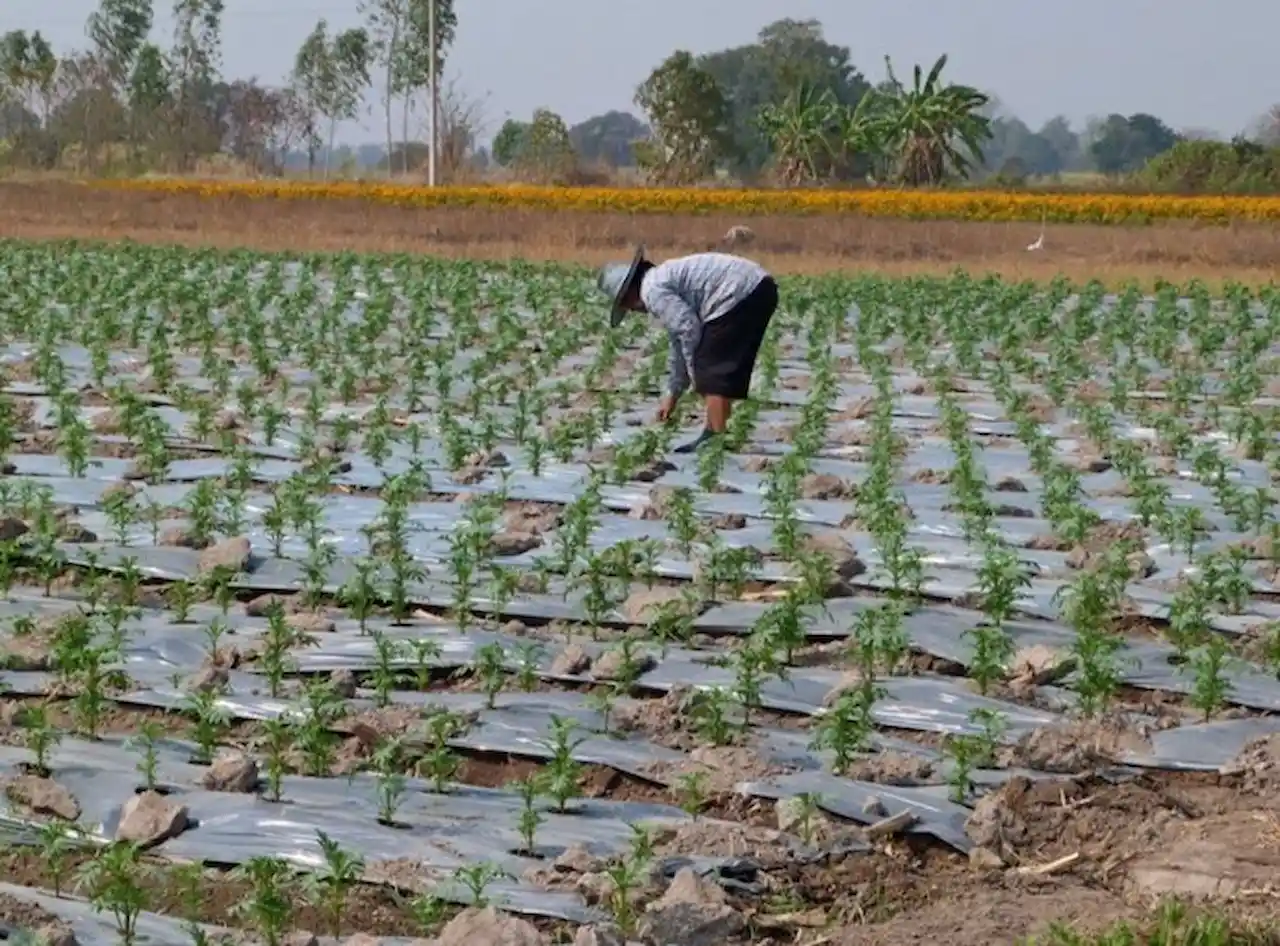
{"x":686,"y":293}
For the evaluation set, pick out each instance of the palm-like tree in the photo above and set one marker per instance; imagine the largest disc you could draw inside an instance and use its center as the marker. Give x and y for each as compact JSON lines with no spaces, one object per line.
{"x":926,"y":131}
{"x":802,"y":131}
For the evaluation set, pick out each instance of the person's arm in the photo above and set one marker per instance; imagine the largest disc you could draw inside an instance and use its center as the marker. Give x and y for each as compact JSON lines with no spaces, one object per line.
{"x":685,"y":329}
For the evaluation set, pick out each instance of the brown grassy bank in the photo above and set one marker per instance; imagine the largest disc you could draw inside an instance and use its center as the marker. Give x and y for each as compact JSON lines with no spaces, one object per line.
{"x":55,"y":210}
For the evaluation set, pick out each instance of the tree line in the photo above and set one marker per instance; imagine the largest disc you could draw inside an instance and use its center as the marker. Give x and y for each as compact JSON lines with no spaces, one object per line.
{"x":790,"y":108}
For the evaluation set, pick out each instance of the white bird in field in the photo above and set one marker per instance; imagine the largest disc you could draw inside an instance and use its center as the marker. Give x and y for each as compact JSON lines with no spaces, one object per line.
{"x":1039,"y":244}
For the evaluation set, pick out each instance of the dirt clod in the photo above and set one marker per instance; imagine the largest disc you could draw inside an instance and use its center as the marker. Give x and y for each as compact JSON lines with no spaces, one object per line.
{"x":11,"y":528}
{"x":1039,"y":665}
{"x":74,"y":533}
{"x":823,"y":486}
{"x":231,"y":772}
{"x":514,"y":543}
{"x":43,"y":796}
{"x":310,"y":622}
{"x":597,"y":936}
{"x":149,"y":818}
{"x":1076,"y":747}
{"x":994,"y":823}
{"x":473,"y":927}
{"x":1258,"y":762}
{"x":984,"y":859}
{"x":1218,"y":856}
{"x":614,"y":664}
{"x":844,"y":560}
{"x":795,"y":816}
{"x":640,"y":605}
{"x":576,"y":859}
{"x":892,"y":768}
{"x":1010,"y":484}
{"x":570,"y":662}
{"x":230,"y":553}
{"x":344,"y":683}
{"x":263,"y":605}
{"x":211,"y":678}
{"x":180,"y":537}
{"x":692,"y":912}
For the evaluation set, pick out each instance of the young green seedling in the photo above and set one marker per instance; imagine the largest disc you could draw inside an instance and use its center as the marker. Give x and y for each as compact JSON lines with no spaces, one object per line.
{"x":268,"y":907}
{"x":562,"y":770}
{"x":277,"y":738}
{"x":476,"y":878}
{"x":115,"y":882}
{"x":329,"y":887}
{"x":388,"y":765}
{"x":490,"y":667}
{"x":529,"y":789}
{"x":691,"y":792}
{"x":441,"y":763}
{"x":56,"y":842}
{"x":40,"y":736}
{"x":147,"y":743}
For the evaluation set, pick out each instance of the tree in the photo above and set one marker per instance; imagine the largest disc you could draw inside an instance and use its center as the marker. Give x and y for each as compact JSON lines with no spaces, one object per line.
{"x":150,"y":98}
{"x":86,"y":119}
{"x":28,"y":70}
{"x":28,"y":67}
{"x":1016,"y":151}
{"x":509,"y":142}
{"x":1266,"y":130}
{"x":462,"y":119}
{"x":310,"y":78}
{"x":689,"y":118}
{"x":387,"y":23}
{"x":1059,"y":135}
{"x":117,"y":30}
{"x":928,"y":130}
{"x":331,"y":75}
{"x":252,"y":116}
{"x":1122,"y":144}
{"x":787,"y":55}
{"x":194,"y":61}
{"x":608,"y":138}
{"x":545,"y":152}
{"x":803,"y":132}
{"x":412,"y":70}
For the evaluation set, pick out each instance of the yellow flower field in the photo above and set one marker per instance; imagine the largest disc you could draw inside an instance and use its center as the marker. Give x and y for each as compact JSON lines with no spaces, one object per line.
{"x":909,"y":204}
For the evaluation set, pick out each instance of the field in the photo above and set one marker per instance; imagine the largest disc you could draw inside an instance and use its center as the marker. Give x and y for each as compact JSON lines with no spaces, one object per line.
{"x":360,"y":595}
{"x":802,"y":245}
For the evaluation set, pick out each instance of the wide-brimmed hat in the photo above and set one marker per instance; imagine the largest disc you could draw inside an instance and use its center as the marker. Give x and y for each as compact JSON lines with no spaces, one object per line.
{"x":616,"y":280}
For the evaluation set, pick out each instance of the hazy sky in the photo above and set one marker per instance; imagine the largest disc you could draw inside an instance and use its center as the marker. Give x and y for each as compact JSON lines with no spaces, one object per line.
{"x":1193,"y":63}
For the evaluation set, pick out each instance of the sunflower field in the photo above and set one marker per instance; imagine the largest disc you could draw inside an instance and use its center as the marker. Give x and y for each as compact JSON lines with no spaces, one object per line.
{"x":976,"y":205}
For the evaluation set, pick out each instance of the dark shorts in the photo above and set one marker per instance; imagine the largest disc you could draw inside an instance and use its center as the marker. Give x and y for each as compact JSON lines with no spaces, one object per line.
{"x":726,"y":355}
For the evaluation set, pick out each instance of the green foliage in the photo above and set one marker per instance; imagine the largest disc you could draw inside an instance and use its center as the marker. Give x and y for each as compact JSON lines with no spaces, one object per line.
{"x":689,"y":115}
{"x":509,"y":141}
{"x":1215,"y":167}
{"x":539,"y":150}
{"x":331,"y":74}
{"x":787,"y":55}
{"x":1124,"y":144}
{"x":925,"y":132}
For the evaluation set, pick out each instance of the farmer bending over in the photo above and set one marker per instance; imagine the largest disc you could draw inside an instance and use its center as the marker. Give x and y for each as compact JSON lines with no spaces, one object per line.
{"x":716,"y":308}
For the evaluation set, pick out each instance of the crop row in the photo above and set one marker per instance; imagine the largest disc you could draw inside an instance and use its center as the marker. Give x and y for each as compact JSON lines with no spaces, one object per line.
{"x":906,"y":204}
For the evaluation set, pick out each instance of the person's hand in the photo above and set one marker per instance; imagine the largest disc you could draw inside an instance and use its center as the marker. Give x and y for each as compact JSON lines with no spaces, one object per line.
{"x":666,"y":408}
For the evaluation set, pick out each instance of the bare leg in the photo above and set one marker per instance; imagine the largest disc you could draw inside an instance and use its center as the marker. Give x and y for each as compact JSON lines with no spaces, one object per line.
{"x":719,"y":409}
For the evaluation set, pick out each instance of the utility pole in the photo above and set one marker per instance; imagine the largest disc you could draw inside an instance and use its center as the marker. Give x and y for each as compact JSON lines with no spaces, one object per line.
{"x":435,"y":98}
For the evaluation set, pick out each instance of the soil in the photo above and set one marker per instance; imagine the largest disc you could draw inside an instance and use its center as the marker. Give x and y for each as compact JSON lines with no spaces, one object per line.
{"x":1072,"y":847}
{"x":53,"y":209}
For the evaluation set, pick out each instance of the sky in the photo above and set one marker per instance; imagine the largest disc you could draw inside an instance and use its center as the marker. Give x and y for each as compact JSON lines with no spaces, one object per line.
{"x":1192,"y":63}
